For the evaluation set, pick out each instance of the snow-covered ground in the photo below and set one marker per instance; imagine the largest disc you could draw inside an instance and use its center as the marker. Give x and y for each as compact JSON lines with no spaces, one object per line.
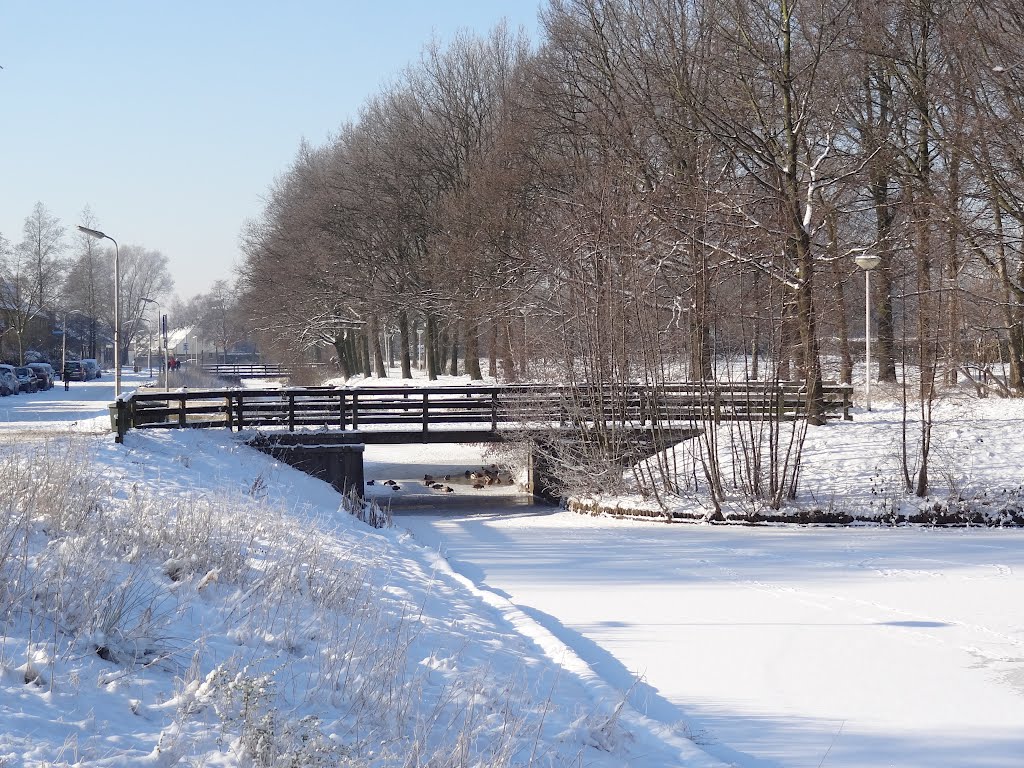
{"x":764,"y":647}
{"x":777,"y":646}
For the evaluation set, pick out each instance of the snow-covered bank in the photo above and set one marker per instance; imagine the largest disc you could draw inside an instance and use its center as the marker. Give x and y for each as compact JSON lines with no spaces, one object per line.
{"x":851,"y":472}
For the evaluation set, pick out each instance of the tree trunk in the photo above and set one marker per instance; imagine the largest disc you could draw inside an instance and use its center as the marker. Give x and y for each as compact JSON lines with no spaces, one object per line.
{"x":471,"y":334}
{"x":839,"y":297}
{"x":354,"y":349}
{"x":954,"y":353}
{"x":364,"y":352}
{"x":701,"y":367}
{"x":378,"y":356}
{"x":879,"y":106}
{"x":417,"y":353}
{"x":787,"y":335}
{"x":403,"y":332}
{"x":507,"y":352}
{"x":884,"y":349}
{"x":339,"y":350}
{"x":430,"y":347}
{"x":810,"y":358}
{"x":453,"y":370}
{"x":523,"y":350}
{"x":492,"y":350}
{"x":441,"y":350}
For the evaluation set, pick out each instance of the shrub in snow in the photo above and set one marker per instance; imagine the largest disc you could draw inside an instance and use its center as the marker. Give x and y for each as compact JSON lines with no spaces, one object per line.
{"x":368,"y":512}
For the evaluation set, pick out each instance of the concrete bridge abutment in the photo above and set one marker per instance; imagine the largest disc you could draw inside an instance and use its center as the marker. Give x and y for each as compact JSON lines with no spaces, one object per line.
{"x":334,"y":462}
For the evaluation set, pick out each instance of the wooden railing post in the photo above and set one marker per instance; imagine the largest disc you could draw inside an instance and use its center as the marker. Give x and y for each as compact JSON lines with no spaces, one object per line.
{"x":182,"y":410}
{"x":241,"y":412}
{"x":494,"y":410}
{"x":291,"y":411}
{"x":426,"y":413}
{"x":229,"y":412}
{"x":341,"y":410}
{"x":121,"y":415}
{"x":355,"y":410}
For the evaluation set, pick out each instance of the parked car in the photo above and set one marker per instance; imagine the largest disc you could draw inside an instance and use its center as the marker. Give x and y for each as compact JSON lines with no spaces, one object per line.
{"x":92,"y":368}
{"x":8,"y":380}
{"x":44,"y":374}
{"x":74,"y":371}
{"x":26,"y":379}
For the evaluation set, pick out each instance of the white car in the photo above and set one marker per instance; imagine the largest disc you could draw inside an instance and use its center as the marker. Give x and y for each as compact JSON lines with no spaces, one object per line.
{"x":8,"y":380}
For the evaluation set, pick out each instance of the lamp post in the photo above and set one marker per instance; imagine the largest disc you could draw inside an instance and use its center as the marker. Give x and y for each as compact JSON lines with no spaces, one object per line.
{"x":159,"y":335}
{"x":867,"y":263}
{"x":149,"y":354}
{"x":117,"y":303}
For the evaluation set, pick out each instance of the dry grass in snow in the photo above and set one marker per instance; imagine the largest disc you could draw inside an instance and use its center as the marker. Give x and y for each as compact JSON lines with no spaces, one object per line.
{"x":149,"y":616}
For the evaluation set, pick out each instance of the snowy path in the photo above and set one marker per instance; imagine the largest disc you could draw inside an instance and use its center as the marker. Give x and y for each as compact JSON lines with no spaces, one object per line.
{"x":780,"y":646}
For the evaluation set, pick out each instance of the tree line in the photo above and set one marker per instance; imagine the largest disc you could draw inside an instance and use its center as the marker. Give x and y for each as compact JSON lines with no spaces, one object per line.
{"x":659,"y":185}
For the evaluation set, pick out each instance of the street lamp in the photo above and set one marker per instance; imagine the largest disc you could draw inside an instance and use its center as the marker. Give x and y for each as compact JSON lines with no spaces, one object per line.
{"x":867,"y":263}
{"x":117,"y":303}
{"x":159,"y":336}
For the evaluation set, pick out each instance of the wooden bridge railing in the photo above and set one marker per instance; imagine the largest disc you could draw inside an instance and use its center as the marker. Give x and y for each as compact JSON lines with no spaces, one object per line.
{"x":247,"y":370}
{"x":437,"y":411}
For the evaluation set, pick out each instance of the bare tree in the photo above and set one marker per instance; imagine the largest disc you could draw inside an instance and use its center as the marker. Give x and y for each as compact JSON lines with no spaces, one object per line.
{"x":144,"y":274}
{"x":31,"y":275}
{"x":88,"y":274}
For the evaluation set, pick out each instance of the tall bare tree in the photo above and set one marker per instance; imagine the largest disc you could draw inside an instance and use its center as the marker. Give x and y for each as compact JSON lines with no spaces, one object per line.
{"x":32,"y":275}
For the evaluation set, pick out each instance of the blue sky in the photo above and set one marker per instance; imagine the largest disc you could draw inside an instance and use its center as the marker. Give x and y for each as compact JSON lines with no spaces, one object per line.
{"x":171,"y":120}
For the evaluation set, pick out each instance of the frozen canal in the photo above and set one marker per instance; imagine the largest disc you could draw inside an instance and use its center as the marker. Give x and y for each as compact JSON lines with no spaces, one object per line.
{"x":769,"y":647}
